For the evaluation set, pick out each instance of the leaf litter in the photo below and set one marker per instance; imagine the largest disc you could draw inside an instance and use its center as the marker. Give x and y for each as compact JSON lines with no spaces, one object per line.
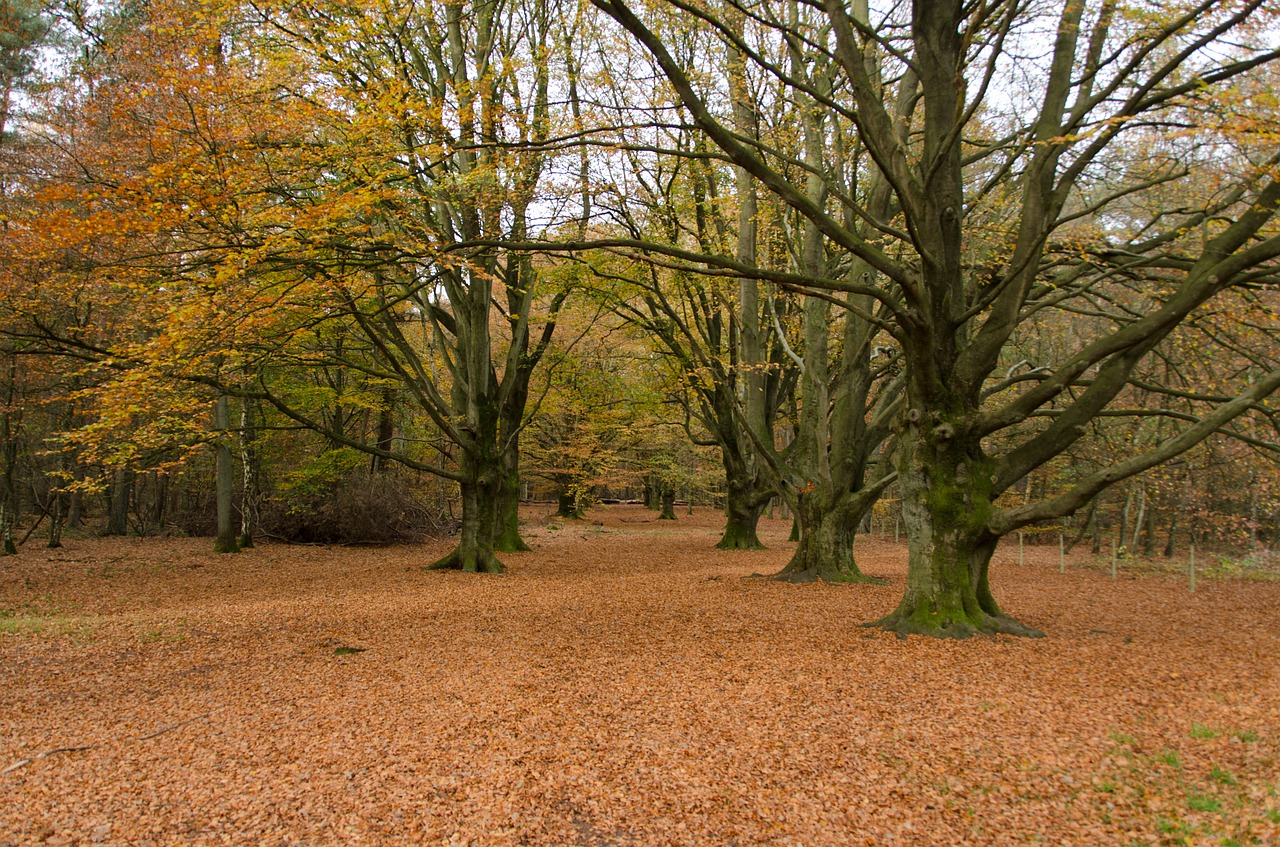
{"x":623,"y":684}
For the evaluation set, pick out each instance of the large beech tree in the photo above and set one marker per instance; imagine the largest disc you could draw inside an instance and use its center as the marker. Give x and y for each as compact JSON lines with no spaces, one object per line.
{"x":1007,"y":197}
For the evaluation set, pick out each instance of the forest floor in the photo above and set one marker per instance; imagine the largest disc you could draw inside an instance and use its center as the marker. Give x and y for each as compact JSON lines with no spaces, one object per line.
{"x":623,"y":684}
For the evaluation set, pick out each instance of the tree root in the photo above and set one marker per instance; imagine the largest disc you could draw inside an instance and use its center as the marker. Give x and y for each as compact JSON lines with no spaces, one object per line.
{"x":470,"y":563}
{"x":922,"y":622}
{"x":831,"y":576}
{"x":740,"y":542}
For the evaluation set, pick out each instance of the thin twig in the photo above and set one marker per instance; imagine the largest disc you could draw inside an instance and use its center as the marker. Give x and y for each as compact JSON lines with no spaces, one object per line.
{"x":172,"y":727}
{"x":24,"y":762}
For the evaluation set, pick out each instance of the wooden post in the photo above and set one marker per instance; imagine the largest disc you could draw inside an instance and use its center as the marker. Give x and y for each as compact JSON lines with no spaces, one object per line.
{"x":1113,"y":558}
{"x":897,"y":523}
{"x":1021,"y":561}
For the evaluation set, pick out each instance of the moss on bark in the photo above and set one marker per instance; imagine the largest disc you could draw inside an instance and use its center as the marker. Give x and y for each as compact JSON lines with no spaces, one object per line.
{"x":946,"y":507}
{"x":740,"y":531}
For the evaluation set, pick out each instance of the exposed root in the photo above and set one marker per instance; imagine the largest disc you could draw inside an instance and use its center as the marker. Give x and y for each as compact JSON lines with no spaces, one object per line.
{"x":829,"y":575}
{"x":469,"y":563}
{"x":934,"y":625}
{"x":740,"y":542}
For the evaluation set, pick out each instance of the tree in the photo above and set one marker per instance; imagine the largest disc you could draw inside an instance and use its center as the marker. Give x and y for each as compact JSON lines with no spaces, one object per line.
{"x":320,"y":170}
{"x":994,"y":216}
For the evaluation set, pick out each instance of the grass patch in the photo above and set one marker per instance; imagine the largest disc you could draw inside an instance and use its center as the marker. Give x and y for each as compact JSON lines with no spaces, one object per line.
{"x":45,"y":624}
{"x":1246,"y":736}
{"x":1198,"y":802}
{"x":1122,"y":738}
{"x":1203,"y":731}
{"x":1170,"y":758}
{"x":161,"y":635}
{"x":1224,"y":777}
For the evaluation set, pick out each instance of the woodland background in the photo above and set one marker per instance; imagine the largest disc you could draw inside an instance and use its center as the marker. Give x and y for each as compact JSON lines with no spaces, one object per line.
{"x":364,"y":273}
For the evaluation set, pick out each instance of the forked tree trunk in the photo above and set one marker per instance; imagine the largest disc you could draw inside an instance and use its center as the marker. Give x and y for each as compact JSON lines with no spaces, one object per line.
{"x":475,"y":550}
{"x":946,"y":507}
{"x":825,"y":542}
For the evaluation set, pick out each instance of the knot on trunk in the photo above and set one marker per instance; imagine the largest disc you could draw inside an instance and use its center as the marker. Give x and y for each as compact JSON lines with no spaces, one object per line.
{"x":944,"y":432}
{"x":914,"y":415}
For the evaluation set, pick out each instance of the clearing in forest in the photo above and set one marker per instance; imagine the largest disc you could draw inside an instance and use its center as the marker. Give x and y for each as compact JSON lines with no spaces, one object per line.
{"x":623,"y":684}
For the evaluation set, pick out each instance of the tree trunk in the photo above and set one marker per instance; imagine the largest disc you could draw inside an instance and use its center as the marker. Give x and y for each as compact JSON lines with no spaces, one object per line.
{"x":507,"y":539}
{"x":1171,"y":542}
{"x":75,"y":511}
{"x":567,"y":503}
{"x":57,"y":519}
{"x":475,"y":550}
{"x":946,"y":506}
{"x":652,"y":499}
{"x":1149,"y":539}
{"x":668,"y":501}
{"x":826,"y":533}
{"x":483,"y":490}
{"x":118,"y":505}
{"x":743,"y":504}
{"x":9,"y":471}
{"x":249,"y":470}
{"x":225,"y":473}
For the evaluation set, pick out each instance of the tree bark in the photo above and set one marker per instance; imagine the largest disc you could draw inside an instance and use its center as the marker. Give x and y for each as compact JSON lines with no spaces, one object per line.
{"x":667,"y":499}
{"x":225,"y":473}
{"x":826,"y":530}
{"x":484,"y":491}
{"x":507,"y":539}
{"x":249,"y":461}
{"x":567,"y":503}
{"x":475,"y":550}
{"x":118,"y":502}
{"x":946,"y":505}
{"x":744,"y":501}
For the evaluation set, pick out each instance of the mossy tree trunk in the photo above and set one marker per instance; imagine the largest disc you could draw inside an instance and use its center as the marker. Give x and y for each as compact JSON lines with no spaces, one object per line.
{"x":946,"y":506}
{"x":667,"y":499}
{"x":745,"y":498}
{"x":826,"y":530}
{"x":652,"y":496}
{"x":507,"y":539}
{"x":568,"y":505}
{"x":482,"y":508}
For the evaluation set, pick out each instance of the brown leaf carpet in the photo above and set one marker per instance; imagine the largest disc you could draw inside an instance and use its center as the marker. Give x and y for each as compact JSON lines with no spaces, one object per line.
{"x":623,"y":684}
